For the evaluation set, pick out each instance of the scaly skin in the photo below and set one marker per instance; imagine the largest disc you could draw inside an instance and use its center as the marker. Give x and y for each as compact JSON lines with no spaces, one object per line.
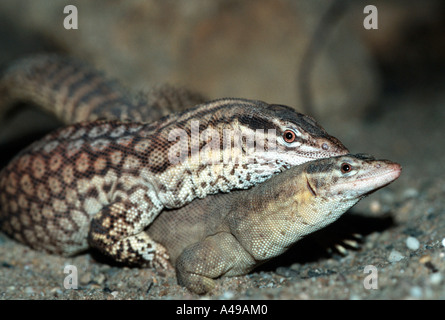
{"x":74,"y":92}
{"x":230,"y":234}
{"x":102,"y":183}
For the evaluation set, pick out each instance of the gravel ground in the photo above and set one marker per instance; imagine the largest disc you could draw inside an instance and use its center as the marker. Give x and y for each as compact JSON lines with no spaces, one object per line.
{"x":401,"y":227}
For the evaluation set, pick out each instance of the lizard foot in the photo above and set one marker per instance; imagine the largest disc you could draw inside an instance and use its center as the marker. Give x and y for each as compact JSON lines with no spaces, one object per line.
{"x":194,"y":282}
{"x":161,"y":258}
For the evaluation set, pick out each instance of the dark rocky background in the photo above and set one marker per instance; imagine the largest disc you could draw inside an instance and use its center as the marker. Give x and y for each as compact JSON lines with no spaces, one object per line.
{"x":379,"y":91}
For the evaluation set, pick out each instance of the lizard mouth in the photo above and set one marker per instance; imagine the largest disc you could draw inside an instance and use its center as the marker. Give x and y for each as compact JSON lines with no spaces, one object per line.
{"x":323,"y":150}
{"x":385,"y":178}
{"x":371,"y":182}
{"x":313,"y":155}
{"x":311,"y":189}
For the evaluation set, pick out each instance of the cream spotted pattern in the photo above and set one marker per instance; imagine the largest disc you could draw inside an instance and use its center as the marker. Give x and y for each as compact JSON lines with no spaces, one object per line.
{"x":118,"y":177}
{"x":101,"y":183}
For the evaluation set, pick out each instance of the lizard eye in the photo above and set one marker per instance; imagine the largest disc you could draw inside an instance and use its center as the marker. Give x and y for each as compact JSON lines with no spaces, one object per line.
{"x":289,"y":136}
{"x":345,"y":168}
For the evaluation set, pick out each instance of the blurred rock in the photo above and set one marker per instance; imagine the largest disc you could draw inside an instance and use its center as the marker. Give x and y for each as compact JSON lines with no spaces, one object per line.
{"x":221,"y":48}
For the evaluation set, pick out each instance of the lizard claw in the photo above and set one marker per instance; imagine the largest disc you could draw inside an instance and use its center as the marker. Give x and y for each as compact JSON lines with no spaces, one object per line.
{"x":161,"y":258}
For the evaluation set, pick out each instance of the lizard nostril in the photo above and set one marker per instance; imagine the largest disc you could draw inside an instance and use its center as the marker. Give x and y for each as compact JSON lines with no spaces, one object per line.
{"x":325,"y":146}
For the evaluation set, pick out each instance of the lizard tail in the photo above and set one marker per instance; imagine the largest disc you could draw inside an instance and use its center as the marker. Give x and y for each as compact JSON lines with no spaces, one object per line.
{"x":63,"y":87}
{"x":72,"y":91}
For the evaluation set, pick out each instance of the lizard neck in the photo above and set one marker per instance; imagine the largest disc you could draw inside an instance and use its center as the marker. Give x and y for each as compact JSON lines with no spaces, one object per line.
{"x":211,"y":151}
{"x":228,"y":144}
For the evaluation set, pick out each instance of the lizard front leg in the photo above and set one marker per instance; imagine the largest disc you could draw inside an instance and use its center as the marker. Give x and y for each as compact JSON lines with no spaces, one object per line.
{"x":117,"y":231}
{"x":215,"y":256}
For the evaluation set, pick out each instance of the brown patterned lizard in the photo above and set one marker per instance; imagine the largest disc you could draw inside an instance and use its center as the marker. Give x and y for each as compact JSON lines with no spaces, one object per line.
{"x":230,"y":234}
{"x":73,"y":91}
{"x":101,"y":183}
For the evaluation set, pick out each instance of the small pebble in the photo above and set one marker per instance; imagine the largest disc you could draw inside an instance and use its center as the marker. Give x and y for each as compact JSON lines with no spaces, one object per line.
{"x":56,"y":290}
{"x":412,"y":243}
{"x":443,"y":242}
{"x":85,"y":278}
{"x":416,"y":292}
{"x":29,"y":290}
{"x":425,"y":259}
{"x":287,"y":272}
{"x":375,"y":206}
{"x":228,"y":295}
{"x":436,"y":278}
{"x":410,"y":193}
{"x":100,"y":278}
{"x":395,"y":256}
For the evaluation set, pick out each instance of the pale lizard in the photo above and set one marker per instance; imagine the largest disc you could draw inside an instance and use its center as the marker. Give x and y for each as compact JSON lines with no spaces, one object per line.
{"x":102,"y":183}
{"x":230,"y":234}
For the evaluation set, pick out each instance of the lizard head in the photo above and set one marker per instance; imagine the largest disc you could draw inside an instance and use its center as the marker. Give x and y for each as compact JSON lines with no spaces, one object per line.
{"x":338,"y":183}
{"x":304,"y":199}
{"x":290,"y":138}
{"x":252,"y":140}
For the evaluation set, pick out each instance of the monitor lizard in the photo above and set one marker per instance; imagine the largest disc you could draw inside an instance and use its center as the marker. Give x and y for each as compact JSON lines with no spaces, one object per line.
{"x":101,"y":183}
{"x":73,"y":91}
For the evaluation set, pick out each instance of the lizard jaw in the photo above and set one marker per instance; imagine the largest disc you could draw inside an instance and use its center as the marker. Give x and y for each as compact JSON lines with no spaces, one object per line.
{"x":381,"y":176}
